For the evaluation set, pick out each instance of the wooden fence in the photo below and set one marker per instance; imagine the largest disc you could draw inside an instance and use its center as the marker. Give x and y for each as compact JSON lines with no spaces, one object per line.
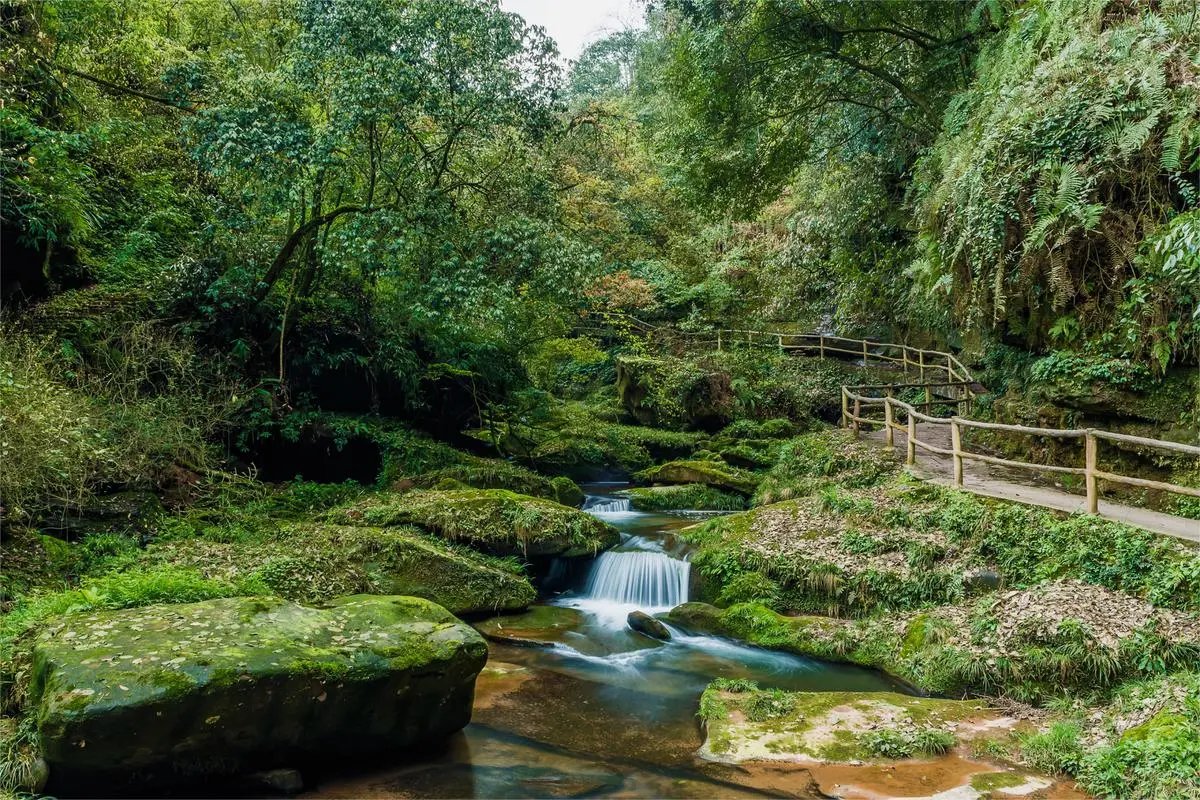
{"x":854,"y":403}
{"x":945,"y":383}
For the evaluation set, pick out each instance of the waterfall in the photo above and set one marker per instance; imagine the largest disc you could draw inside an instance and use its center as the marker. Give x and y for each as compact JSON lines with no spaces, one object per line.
{"x":639,"y":578}
{"x":606,"y":505}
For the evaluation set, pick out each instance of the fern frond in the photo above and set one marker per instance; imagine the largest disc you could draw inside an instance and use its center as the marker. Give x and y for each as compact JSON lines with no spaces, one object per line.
{"x":1061,"y":285}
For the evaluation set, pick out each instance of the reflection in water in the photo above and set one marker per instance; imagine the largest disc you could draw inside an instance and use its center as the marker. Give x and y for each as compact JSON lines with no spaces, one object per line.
{"x":603,"y":711}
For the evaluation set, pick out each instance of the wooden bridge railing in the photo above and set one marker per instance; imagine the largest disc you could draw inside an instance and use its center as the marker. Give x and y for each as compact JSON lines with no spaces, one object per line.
{"x":956,"y":388}
{"x":853,"y":416}
{"x":914,"y":359}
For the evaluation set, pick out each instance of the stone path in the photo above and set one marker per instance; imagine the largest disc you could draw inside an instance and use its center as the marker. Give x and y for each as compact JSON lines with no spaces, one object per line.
{"x":1005,"y":484}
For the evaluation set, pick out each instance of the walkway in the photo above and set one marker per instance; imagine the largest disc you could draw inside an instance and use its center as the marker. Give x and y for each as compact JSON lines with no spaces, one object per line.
{"x":1006,"y":484}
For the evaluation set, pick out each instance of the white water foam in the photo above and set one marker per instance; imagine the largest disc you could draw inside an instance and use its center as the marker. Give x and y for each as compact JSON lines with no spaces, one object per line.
{"x":607,"y":505}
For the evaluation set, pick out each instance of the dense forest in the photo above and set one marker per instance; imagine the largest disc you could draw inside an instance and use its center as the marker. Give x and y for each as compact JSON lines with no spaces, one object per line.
{"x":320,"y":312}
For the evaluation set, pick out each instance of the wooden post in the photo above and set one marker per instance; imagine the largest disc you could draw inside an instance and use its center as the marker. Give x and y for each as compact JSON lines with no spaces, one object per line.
{"x":718,"y":340}
{"x":910,"y":457}
{"x":845,"y":408}
{"x":864,"y":352}
{"x":821,"y":345}
{"x":1089,"y":467}
{"x":887,"y":422}
{"x":781,"y":344}
{"x":956,"y":446}
{"x":928,"y":398}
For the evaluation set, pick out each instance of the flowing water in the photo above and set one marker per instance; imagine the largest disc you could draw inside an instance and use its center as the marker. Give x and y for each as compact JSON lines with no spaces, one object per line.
{"x":598,"y":710}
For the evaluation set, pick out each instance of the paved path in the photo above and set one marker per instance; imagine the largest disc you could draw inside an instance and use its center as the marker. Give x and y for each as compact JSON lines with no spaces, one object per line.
{"x":1006,"y":484}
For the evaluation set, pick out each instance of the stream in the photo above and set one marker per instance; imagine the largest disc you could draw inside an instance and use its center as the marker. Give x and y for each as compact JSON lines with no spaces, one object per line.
{"x":599,"y":710}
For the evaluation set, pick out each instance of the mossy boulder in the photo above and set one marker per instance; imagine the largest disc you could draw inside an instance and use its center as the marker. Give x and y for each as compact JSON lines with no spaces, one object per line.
{"x":745,"y":723}
{"x":491,"y":473}
{"x":674,"y":393}
{"x":494,"y":521}
{"x":710,"y":473}
{"x":314,"y":562}
{"x":695,"y":497}
{"x":163,"y":694}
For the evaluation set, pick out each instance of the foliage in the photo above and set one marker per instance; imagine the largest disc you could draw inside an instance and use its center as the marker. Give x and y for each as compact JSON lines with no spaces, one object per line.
{"x":897,"y":744}
{"x":122,"y":411}
{"x":1060,"y":163}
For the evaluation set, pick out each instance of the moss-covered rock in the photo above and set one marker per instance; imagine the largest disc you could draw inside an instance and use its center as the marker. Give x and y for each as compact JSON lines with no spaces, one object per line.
{"x":491,"y":473}
{"x":586,"y":441}
{"x":167,"y":693}
{"x":710,"y":473}
{"x":493,"y":520}
{"x":824,"y":554}
{"x":744,"y":723}
{"x":674,"y":393}
{"x":694,"y":497}
{"x":313,"y":562}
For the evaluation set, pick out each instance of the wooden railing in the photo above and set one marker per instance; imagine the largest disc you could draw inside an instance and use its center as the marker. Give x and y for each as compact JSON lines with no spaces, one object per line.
{"x":910,"y":359}
{"x":956,"y":389}
{"x":853,"y":416}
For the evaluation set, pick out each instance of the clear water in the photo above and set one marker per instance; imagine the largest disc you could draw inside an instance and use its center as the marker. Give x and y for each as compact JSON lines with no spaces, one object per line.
{"x":603,"y":711}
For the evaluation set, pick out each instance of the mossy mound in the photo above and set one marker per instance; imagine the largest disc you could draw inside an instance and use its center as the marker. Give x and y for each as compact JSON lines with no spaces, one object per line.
{"x":694,"y":497}
{"x":163,"y":694}
{"x":675,"y":393}
{"x":744,"y":723}
{"x":490,"y":473}
{"x":586,"y":441}
{"x":495,"y":521}
{"x":814,"y":556}
{"x":717,"y":474}
{"x":310,"y":562}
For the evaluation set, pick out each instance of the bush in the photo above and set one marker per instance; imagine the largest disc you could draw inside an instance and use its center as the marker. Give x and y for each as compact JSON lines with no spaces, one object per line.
{"x":121,"y":411}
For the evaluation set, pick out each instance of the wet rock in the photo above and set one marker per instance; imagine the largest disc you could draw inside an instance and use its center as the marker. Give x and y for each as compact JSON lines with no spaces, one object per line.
{"x":647,"y":625}
{"x":540,"y":625}
{"x":494,"y":521}
{"x":981,"y":580}
{"x":283,"y":781}
{"x":223,"y":686}
{"x":749,"y":724}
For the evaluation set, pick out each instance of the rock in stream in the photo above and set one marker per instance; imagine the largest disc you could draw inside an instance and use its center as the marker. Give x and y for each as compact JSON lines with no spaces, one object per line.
{"x":163,"y":694}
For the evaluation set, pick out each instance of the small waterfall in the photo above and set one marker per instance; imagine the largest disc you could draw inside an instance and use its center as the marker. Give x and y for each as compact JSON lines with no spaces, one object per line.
{"x":639,"y":578}
{"x":606,"y":505}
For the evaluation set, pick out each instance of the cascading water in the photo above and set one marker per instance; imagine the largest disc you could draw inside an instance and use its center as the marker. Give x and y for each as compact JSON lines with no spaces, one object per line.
{"x":646,"y":579}
{"x":607,"y":505}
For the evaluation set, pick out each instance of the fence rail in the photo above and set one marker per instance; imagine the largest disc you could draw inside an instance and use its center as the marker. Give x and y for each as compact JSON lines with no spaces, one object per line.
{"x":957,"y":390}
{"x":854,"y":416}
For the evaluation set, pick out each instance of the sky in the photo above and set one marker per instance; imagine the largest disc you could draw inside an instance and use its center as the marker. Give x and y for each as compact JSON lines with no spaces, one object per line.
{"x":576,"y":23}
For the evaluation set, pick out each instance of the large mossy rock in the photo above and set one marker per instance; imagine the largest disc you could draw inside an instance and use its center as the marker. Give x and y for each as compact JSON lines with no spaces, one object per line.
{"x":710,"y":473}
{"x":674,"y":393}
{"x":494,"y":521}
{"x":164,"y":694}
{"x":692,"y":497}
{"x":314,"y":562}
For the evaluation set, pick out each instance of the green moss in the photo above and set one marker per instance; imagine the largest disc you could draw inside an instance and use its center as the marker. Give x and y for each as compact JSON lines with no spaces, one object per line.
{"x":710,"y":473}
{"x":695,"y":497}
{"x":493,"y":520}
{"x":346,"y":559}
{"x":831,"y":726}
{"x":990,"y":781}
